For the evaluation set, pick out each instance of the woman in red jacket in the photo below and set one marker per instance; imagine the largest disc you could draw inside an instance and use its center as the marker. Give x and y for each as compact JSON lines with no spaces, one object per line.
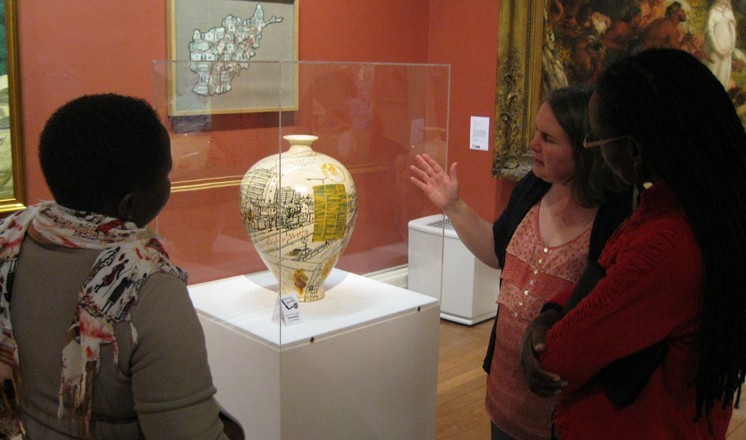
{"x":674,"y":271}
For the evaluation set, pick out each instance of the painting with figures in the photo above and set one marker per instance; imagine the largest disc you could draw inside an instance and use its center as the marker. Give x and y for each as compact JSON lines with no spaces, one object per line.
{"x":547,"y":44}
{"x":582,"y":37}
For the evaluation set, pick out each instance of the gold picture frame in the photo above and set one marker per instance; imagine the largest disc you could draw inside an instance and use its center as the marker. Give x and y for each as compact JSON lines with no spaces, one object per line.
{"x":518,"y":85}
{"x":12,"y":187}
{"x":218,"y":80}
{"x":546,"y":44}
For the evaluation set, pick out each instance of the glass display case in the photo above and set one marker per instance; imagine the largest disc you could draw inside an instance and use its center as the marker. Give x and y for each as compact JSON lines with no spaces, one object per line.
{"x":362,"y":361}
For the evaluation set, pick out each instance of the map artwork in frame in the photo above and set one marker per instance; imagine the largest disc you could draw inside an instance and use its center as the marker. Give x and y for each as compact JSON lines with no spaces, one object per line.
{"x":233,"y":57}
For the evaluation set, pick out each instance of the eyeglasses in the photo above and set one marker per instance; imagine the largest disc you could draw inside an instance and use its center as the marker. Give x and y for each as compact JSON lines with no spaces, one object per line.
{"x":591,"y":141}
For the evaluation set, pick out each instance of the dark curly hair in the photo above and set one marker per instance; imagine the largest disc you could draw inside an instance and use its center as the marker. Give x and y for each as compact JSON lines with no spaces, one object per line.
{"x":687,"y":127}
{"x":96,"y":148}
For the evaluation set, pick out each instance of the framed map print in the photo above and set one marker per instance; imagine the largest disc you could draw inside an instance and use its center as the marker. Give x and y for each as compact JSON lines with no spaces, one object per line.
{"x":232,"y":56}
{"x":12,"y":192}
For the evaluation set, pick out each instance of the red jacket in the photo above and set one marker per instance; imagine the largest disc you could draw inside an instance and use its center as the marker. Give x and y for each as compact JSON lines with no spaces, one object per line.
{"x":651,"y":292}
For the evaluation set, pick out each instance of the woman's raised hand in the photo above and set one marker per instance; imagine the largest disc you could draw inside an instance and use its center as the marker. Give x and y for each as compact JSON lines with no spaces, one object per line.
{"x":441,"y":188}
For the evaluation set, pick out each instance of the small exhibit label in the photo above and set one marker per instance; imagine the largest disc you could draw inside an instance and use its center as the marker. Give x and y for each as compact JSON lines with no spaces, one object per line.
{"x":288,"y":308}
{"x":480,"y":132}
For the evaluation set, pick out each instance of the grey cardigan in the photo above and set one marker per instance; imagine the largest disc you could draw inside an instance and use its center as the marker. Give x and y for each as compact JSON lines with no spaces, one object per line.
{"x":161,"y":388}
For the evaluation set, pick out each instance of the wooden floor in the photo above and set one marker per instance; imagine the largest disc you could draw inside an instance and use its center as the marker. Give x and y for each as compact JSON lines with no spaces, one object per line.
{"x":460,"y":410}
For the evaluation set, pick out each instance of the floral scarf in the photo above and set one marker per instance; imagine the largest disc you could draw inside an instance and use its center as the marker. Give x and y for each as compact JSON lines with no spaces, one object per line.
{"x":128,"y":256}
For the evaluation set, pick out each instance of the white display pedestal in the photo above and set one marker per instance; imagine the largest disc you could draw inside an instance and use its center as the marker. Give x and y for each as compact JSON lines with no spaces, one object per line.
{"x":467,"y":289}
{"x":363,"y":364}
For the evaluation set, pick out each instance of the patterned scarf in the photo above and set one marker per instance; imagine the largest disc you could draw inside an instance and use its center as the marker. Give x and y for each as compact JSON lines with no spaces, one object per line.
{"x":128,"y":256}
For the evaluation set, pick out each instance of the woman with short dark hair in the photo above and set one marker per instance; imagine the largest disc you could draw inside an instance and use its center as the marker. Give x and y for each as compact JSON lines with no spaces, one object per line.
{"x":103,"y":340}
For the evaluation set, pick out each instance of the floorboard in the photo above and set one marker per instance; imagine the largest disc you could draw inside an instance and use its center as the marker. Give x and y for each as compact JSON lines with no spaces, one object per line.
{"x":460,"y":412}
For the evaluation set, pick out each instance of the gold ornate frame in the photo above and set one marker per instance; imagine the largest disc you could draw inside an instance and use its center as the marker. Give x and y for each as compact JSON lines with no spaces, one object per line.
{"x":14,"y":197}
{"x":518,"y":85}
{"x":526,"y":41}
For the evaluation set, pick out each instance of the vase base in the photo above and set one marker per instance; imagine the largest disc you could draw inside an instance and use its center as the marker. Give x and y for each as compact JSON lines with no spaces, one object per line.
{"x":311,"y":297}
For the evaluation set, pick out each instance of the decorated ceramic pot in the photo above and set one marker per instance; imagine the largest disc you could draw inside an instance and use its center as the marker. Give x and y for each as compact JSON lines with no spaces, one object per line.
{"x":299,"y":209}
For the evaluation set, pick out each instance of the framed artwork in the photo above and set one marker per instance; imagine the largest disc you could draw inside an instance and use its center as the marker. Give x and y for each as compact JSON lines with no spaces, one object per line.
{"x":518,"y":81}
{"x":556,"y":43}
{"x":232,"y":56}
{"x":12,"y":191}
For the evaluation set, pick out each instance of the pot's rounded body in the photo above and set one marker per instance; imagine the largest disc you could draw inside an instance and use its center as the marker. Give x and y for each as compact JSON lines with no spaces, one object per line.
{"x":299,"y":209}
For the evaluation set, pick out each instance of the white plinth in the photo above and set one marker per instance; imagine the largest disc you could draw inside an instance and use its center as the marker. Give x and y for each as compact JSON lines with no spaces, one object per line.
{"x":363,"y":363}
{"x":468,"y":288}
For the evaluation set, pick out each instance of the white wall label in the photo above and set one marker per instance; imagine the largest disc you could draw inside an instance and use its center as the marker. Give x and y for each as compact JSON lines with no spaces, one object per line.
{"x":480,"y":131}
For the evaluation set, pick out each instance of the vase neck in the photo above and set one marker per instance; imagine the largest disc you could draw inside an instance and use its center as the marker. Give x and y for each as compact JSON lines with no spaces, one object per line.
{"x":299,"y":149}
{"x":300,"y":139}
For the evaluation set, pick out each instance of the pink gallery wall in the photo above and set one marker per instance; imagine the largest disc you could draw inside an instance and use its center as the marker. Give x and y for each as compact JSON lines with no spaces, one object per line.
{"x":464,"y":35}
{"x":74,"y":48}
{"x":96,"y":46}
{"x":93,"y":46}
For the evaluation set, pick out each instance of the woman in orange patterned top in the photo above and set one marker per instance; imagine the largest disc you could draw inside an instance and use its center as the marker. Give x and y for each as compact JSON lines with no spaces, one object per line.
{"x":559,"y":215}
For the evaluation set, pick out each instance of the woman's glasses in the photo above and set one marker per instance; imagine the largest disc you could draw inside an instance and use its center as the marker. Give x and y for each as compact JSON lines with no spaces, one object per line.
{"x":592,"y":141}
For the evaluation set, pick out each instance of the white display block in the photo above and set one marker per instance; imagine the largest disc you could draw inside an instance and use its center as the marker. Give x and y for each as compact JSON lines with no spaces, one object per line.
{"x":362,"y":364}
{"x":467,"y":289}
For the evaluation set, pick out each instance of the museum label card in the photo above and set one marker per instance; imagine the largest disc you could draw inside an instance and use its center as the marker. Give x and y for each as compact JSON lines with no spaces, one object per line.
{"x":290,"y":309}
